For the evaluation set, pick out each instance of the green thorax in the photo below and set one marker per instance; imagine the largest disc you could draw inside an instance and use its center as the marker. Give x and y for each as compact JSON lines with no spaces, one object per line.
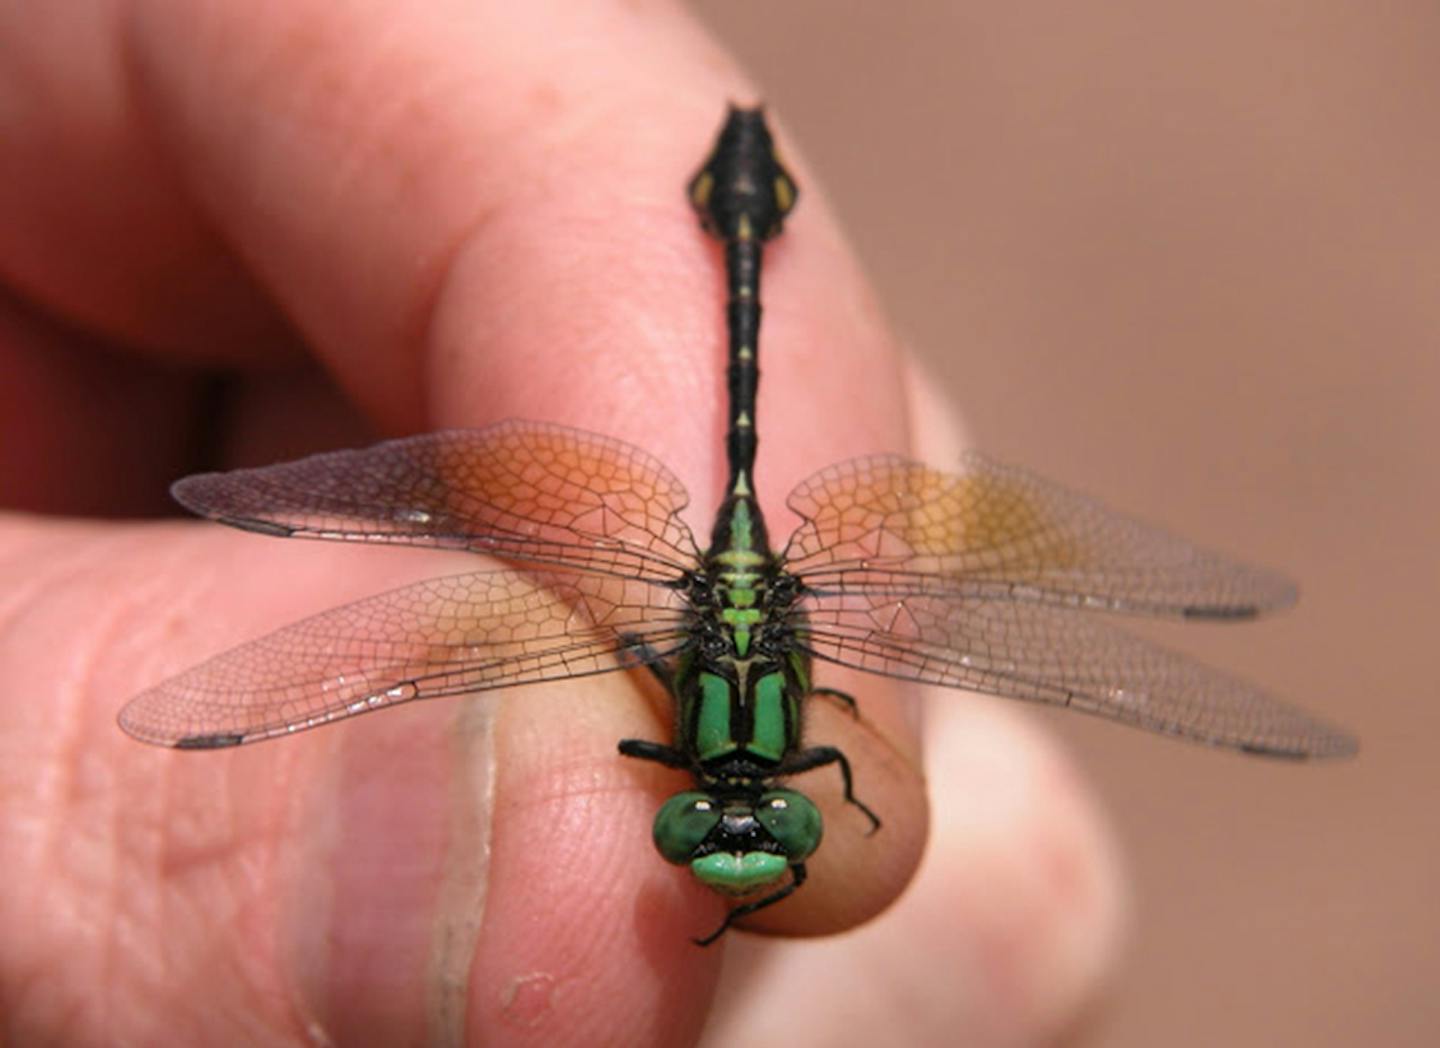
{"x":741,"y":568}
{"x":739,"y":692}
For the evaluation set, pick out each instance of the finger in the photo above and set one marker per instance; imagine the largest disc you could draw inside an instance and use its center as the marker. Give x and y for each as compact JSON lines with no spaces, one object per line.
{"x":336,"y":880}
{"x":425,"y":284}
{"x":462,"y":231}
{"x":1008,"y":934}
{"x":508,"y":211}
{"x":96,"y":225}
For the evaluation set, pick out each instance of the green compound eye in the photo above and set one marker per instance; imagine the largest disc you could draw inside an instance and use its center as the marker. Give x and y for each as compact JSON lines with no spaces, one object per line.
{"x":793,"y":820}
{"x":683,"y":823}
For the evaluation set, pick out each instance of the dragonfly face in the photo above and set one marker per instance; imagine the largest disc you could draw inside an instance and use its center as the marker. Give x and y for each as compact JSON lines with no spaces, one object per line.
{"x":988,"y":579}
{"x":738,"y":843}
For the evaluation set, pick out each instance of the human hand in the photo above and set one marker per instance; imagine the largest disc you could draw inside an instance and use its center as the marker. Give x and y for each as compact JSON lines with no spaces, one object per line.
{"x":382,"y":220}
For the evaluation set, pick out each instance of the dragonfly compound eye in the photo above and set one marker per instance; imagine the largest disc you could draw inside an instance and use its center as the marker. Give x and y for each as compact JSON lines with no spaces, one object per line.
{"x":683,"y":823}
{"x":793,"y":820}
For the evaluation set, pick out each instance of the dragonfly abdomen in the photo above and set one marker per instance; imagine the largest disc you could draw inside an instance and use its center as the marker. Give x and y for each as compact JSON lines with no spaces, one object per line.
{"x":742,"y":196}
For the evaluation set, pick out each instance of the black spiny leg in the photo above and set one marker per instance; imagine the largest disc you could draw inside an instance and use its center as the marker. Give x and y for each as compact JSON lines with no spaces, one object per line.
{"x":645,"y":750}
{"x":797,"y":878}
{"x":818,"y":757}
{"x":843,"y":697}
{"x":635,"y":653}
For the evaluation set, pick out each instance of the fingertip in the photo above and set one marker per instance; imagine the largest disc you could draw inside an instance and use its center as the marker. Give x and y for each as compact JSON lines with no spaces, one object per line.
{"x":1014,"y":913}
{"x":585,"y":927}
{"x":858,"y":871}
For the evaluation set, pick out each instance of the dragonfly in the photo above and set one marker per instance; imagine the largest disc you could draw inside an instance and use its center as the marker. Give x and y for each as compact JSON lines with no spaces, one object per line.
{"x":985,"y":578}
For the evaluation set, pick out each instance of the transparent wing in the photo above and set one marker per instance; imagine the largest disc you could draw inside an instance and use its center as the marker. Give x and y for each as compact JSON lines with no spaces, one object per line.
{"x":888,"y":526}
{"x":444,"y":636}
{"x":1055,"y":655}
{"x":525,"y":490}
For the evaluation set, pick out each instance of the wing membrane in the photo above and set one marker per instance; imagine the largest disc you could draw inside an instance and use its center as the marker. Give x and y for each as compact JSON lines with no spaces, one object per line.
{"x":889,"y":526}
{"x":444,"y":636}
{"x":524,"y":490}
{"x":1054,"y":655}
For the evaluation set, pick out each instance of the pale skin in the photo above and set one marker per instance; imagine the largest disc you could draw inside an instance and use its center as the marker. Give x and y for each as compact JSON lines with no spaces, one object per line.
{"x":384,"y":219}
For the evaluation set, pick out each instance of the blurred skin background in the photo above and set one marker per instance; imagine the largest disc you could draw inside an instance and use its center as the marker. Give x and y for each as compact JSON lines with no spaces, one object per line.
{"x":1185,"y":257}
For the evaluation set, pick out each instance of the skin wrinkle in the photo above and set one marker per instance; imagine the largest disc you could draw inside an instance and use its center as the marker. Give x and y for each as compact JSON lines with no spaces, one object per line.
{"x":72,"y":689}
{"x":227,"y":900}
{"x":83,"y":671}
{"x":276,"y":822}
{"x":214,"y":858}
{"x":21,"y":594}
{"x":137,"y":835}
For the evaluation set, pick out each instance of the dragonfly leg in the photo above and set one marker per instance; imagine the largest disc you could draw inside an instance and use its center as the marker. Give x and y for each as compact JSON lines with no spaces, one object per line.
{"x":645,"y":750}
{"x":843,"y":697}
{"x":797,"y":878}
{"x":818,"y":757}
{"x":635,"y":652}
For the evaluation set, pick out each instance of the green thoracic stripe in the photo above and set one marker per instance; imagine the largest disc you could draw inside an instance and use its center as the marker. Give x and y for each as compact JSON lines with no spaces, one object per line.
{"x":770,"y":734}
{"x":800,"y":671}
{"x":714,"y":734}
{"x":742,"y":598}
{"x":740,"y":619}
{"x":742,"y":528}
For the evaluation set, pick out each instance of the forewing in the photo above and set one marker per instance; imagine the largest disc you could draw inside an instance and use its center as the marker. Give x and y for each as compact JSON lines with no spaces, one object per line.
{"x":888,"y":526}
{"x":1050,"y":654}
{"x":444,"y":636}
{"x":523,"y":490}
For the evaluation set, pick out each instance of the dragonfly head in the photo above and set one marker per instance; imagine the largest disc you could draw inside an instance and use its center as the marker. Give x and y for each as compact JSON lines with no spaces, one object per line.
{"x":737,"y":844}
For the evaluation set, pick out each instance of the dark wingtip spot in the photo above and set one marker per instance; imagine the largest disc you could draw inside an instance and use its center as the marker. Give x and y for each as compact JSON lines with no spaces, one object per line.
{"x":210,"y":742}
{"x":259,"y":527}
{"x":203,"y":496}
{"x":1335,"y":747}
{"x":1222,"y":612}
{"x":1261,"y":750}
